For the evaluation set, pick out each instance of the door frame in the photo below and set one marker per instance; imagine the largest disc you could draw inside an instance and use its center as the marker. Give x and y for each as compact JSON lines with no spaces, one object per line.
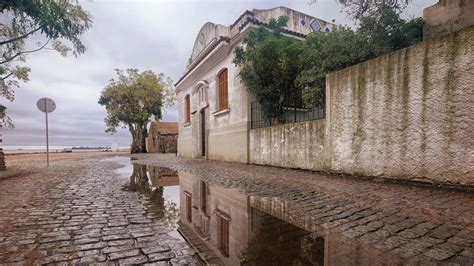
{"x":203,"y":132}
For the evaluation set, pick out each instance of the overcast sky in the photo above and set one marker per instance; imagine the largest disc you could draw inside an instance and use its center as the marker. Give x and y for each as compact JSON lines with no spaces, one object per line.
{"x":147,"y":35}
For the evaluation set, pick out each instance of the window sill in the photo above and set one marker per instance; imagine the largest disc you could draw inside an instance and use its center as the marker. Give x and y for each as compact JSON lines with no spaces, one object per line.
{"x":222,"y":215}
{"x":186,"y":124}
{"x":221,"y":112}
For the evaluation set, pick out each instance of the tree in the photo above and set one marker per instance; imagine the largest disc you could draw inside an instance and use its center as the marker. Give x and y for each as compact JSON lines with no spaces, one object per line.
{"x":388,"y":32}
{"x":57,"y":21}
{"x":358,"y":9}
{"x":323,"y":53}
{"x":269,"y":65}
{"x":54,"y":20}
{"x":379,"y":32}
{"x":132,"y":99}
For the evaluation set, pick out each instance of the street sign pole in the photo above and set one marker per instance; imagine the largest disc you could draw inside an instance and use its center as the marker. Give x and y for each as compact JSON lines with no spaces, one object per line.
{"x":46,"y":105}
{"x":47,"y":135}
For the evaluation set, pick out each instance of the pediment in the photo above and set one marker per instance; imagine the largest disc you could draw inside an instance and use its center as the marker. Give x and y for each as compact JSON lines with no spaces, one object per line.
{"x":206,"y":35}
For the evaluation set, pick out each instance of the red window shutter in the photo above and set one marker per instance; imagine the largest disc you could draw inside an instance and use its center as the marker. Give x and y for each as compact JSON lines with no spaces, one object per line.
{"x":223,"y":90}
{"x":188,"y":109}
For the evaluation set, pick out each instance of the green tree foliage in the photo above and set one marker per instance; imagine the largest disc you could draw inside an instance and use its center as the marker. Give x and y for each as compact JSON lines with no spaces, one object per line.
{"x":389,"y":32}
{"x":269,"y":65}
{"x":274,"y":66}
{"x":132,"y":99}
{"x":357,"y":9}
{"x":58,"y":22}
{"x":323,"y":53}
{"x":376,"y":35}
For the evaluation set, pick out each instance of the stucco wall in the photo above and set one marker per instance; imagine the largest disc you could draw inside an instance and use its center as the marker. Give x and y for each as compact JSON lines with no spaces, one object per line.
{"x":226,"y":133}
{"x":228,"y":143}
{"x":297,"y":145}
{"x":447,"y":16}
{"x":408,"y":114}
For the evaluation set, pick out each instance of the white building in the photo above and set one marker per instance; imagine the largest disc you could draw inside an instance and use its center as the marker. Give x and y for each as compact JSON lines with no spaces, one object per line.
{"x":214,"y":105}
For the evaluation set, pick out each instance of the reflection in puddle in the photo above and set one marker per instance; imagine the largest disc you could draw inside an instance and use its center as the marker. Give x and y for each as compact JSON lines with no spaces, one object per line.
{"x":232,"y":228}
{"x":275,"y":242}
{"x":158,"y":185}
{"x":228,"y":227}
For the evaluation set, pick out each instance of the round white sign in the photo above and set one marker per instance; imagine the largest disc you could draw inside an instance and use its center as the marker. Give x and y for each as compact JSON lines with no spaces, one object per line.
{"x":46,"y":105}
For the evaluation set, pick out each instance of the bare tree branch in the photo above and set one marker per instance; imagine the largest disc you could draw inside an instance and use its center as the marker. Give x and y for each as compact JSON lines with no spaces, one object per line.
{"x":7,"y":76}
{"x":25,"y":52}
{"x":20,"y":37}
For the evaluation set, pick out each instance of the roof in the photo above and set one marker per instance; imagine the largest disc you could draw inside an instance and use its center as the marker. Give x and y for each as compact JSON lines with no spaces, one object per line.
{"x":211,"y":35}
{"x":165,"y":128}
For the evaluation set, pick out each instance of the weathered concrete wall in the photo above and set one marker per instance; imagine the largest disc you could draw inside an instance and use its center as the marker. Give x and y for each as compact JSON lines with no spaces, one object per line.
{"x":228,"y":143}
{"x":297,"y":145}
{"x":408,"y":114}
{"x":447,"y":16}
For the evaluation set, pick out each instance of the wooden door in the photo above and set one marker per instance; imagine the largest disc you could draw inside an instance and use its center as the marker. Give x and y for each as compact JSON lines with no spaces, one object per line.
{"x":203,"y":133}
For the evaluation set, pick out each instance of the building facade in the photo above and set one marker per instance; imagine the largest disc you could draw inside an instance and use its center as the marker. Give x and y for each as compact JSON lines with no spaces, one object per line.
{"x":214,"y":105}
{"x":162,"y":137}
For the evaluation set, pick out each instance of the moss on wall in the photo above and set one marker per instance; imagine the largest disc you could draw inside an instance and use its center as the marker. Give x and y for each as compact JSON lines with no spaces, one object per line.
{"x":405,"y":115}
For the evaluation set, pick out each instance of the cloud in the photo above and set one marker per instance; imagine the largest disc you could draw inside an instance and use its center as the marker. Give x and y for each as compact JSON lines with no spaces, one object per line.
{"x":155,"y":35}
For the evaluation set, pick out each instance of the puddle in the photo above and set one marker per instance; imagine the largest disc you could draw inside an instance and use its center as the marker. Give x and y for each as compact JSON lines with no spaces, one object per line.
{"x":228,"y":227}
{"x":158,"y":186}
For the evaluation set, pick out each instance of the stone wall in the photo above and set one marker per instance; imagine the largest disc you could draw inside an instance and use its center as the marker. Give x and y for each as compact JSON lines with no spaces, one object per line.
{"x":408,"y":114}
{"x":168,"y":143}
{"x":296,"y":145}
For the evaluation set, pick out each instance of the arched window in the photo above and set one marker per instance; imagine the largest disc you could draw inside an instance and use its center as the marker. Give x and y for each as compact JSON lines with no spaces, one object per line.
{"x":187,"y":109}
{"x":223,"y":90}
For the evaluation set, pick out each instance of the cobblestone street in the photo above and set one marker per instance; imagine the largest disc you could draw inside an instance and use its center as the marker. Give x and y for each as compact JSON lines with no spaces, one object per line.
{"x":420,"y":225}
{"x":76,"y":212}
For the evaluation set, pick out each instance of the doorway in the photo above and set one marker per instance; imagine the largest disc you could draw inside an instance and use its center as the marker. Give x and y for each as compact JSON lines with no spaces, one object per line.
{"x":203,"y":132}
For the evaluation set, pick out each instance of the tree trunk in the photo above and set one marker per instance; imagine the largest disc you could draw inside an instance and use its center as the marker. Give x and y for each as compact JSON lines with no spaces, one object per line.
{"x":2,"y":160}
{"x":138,"y":138}
{"x":144,"y":135}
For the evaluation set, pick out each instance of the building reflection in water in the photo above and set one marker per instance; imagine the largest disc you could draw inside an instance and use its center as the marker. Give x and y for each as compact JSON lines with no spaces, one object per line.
{"x":230,"y":228}
{"x":226,"y":229}
{"x":160,"y":186}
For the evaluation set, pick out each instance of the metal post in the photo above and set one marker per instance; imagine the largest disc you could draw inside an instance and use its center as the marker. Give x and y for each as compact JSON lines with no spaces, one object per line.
{"x":47,"y":137}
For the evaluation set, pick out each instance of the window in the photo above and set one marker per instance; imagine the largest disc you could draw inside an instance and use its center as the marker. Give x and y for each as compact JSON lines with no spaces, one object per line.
{"x":223,"y":90}
{"x":189,"y":208}
{"x":187,"y":109}
{"x":203,"y":197}
{"x":223,"y":235}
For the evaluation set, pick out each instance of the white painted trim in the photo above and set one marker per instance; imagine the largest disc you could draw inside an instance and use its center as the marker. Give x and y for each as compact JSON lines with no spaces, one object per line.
{"x":221,"y":112}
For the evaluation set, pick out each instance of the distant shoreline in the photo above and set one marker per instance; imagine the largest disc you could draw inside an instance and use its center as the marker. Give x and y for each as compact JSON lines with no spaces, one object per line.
{"x":37,"y":151}
{"x":8,"y":150}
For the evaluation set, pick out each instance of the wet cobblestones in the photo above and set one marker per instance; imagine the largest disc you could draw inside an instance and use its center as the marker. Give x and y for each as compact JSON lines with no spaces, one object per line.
{"x":422,"y":225}
{"x":76,"y":212}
